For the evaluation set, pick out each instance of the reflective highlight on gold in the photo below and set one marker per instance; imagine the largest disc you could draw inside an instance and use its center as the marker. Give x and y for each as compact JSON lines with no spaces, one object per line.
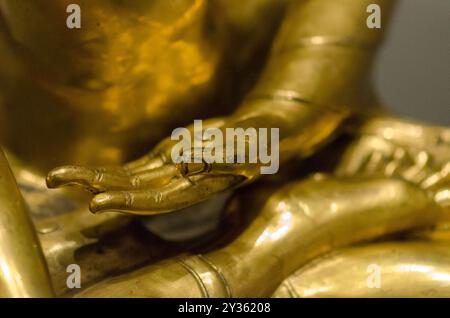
{"x":92,"y":109}
{"x":23,"y":272}
{"x":415,"y":269}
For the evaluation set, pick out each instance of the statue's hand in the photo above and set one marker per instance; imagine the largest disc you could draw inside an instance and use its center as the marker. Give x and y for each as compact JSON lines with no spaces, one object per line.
{"x":154,"y":183}
{"x":392,"y":147}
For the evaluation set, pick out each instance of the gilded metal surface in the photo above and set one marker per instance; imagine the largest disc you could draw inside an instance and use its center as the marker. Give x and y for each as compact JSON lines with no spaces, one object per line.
{"x":83,"y":103}
{"x":23,"y":272}
{"x":101,"y":245}
{"x":298,"y":223}
{"x":413,"y":269}
{"x":330,"y":97}
{"x":136,"y":69}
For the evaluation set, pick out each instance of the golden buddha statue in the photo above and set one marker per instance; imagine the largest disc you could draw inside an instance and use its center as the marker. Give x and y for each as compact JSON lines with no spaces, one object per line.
{"x":385,"y":194}
{"x":84,"y":102}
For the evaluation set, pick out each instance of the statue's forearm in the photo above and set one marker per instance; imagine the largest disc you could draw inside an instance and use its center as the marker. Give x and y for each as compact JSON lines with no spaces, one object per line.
{"x":318,"y":71}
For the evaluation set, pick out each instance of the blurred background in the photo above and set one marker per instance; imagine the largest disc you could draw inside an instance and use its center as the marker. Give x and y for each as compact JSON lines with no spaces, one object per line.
{"x":413,"y":70}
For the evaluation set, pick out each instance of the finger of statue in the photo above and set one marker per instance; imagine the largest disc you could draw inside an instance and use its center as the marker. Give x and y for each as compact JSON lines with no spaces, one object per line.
{"x":387,"y":161}
{"x":442,"y":197}
{"x":419,"y":170}
{"x":93,"y":179}
{"x":161,"y":153}
{"x":396,"y":162}
{"x":139,"y":201}
{"x":375,"y":162}
{"x":180,"y":193}
{"x":365,"y":163}
{"x":350,"y":165}
{"x":356,"y":159}
{"x":440,"y":181}
{"x":203,"y":168}
{"x":149,"y":161}
{"x":157,"y":177}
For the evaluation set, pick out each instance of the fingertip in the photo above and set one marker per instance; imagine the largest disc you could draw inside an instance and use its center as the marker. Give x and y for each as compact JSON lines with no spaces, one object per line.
{"x":99,"y":202}
{"x":56,"y":177}
{"x":68,"y":175}
{"x":50,"y":180}
{"x":107,"y":201}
